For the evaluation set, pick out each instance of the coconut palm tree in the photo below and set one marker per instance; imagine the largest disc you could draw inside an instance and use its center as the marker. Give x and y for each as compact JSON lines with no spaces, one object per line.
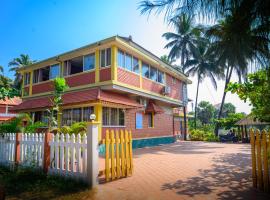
{"x":202,"y":65}
{"x":16,"y":64}
{"x":167,"y":60}
{"x":183,"y":39}
{"x":236,"y":42}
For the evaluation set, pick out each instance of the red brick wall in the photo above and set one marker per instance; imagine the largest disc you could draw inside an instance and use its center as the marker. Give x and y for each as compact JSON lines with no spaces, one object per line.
{"x":42,"y":87}
{"x":105,"y":74}
{"x":81,"y":79}
{"x":127,"y":77}
{"x":176,"y":87}
{"x":160,"y":129}
{"x":151,"y":86}
{"x":2,"y":108}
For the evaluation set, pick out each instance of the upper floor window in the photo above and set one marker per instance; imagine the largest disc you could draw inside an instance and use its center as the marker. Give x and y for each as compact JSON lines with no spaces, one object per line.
{"x":27,"y":78}
{"x":145,"y":70}
{"x":73,"y":66}
{"x":89,"y":62}
{"x":105,"y":57}
{"x":160,"y":76}
{"x":153,"y":73}
{"x":128,"y":61}
{"x":54,"y":71}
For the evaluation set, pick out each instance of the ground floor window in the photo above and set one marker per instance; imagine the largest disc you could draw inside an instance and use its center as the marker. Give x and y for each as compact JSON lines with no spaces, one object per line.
{"x":150,"y":120}
{"x":113,"y":116}
{"x":41,"y":116}
{"x":70,"y":116}
{"x":139,"y":121}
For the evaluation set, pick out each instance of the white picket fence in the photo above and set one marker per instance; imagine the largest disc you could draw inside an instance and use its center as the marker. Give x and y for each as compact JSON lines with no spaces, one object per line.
{"x":32,"y":149}
{"x":68,"y":155}
{"x":7,"y":148}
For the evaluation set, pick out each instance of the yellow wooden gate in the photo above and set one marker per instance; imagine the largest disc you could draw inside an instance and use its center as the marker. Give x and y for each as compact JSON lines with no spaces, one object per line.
{"x":118,"y":154}
{"x":260,"y":150}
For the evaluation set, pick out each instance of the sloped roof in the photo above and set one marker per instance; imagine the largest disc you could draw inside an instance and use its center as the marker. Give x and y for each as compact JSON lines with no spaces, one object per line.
{"x":78,"y":97}
{"x":249,"y":120}
{"x":12,"y":101}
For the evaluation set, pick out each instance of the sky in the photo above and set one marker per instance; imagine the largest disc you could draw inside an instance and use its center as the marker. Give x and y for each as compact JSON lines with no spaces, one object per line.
{"x":43,"y":29}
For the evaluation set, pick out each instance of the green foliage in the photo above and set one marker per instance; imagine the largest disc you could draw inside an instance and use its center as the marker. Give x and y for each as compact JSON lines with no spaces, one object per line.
{"x":32,"y":128}
{"x":256,"y":91}
{"x":230,"y":120}
{"x":227,"y":109}
{"x":16,"y":125}
{"x":59,"y":88}
{"x":76,"y":128}
{"x":28,"y":183}
{"x":7,"y":89}
{"x":206,"y":112}
{"x":201,"y":135}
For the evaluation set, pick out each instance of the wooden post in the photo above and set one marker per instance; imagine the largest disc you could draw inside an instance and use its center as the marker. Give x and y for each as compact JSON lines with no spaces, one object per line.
{"x":246,"y":132}
{"x":253,"y":158}
{"x":92,"y":153}
{"x":17,"y":148}
{"x":242,"y":131}
{"x":46,"y":161}
{"x":265,"y":162}
{"x":185,"y":123}
{"x":259,"y":159}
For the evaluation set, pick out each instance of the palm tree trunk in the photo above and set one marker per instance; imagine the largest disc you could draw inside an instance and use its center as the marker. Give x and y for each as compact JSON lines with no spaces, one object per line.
{"x":196,"y":101}
{"x":227,"y":80}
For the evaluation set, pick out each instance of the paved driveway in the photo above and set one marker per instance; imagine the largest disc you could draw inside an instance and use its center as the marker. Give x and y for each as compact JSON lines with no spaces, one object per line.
{"x":187,"y":170}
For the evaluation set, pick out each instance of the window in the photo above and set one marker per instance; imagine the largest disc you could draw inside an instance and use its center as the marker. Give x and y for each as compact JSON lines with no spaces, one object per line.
{"x":173,"y":80}
{"x":70,"y":116}
{"x":139,"y":121}
{"x":160,"y":77}
{"x":128,"y":62}
{"x":27,"y":78}
{"x":153,"y":73}
{"x":89,"y":62}
{"x":121,"y":59}
{"x":135,"y":65}
{"x":44,"y":74}
{"x":105,"y":57}
{"x":145,"y":70}
{"x":73,"y":66}
{"x":54,"y":71}
{"x":36,"y":76}
{"x":150,"y":120}
{"x":87,"y":111}
{"x":113,"y":117}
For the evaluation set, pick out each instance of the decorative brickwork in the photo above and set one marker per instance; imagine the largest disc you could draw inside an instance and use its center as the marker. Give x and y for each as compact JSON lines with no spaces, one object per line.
{"x":81,"y":79}
{"x":129,"y":78}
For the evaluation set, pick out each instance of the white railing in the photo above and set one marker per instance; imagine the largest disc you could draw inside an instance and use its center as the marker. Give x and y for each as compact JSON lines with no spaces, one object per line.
{"x":32,"y":149}
{"x":68,"y":155}
{"x":7,"y":148}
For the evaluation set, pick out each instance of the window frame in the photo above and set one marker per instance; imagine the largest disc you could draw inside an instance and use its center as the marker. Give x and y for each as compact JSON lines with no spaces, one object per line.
{"x":81,"y":114}
{"x":90,"y":54}
{"x":59,"y":71}
{"x":105,"y":61}
{"x":27,"y":74}
{"x":109,"y":109}
{"x":151,"y":120}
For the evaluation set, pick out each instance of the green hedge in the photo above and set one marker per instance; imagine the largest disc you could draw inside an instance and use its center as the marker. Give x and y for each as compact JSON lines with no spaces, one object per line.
{"x":201,"y":135}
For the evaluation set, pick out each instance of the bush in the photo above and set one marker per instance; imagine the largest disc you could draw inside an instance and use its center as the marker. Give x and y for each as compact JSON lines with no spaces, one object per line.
{"x":201,"y":135}
{"x":76,"y":128}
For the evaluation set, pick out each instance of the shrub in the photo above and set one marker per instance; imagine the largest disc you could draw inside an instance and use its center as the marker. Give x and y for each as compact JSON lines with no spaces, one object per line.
{"x":201,"y":135}
{"x":76,"y":128}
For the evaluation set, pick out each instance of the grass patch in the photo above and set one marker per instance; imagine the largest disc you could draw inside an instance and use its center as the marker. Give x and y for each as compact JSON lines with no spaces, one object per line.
{"x":26,"y":183}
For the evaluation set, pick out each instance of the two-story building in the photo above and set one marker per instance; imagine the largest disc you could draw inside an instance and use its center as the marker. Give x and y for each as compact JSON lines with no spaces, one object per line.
{"x":119,"y":81}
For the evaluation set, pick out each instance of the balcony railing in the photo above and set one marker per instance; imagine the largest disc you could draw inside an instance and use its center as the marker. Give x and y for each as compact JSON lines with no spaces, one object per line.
{"x":7,"y":115}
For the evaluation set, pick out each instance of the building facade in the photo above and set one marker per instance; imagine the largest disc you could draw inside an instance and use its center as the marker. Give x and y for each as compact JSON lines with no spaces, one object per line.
{"x":119,"y":81}
{"x":6,"y":106}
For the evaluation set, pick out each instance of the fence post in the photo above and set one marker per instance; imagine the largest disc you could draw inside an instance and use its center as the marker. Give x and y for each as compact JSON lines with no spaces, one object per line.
{"x":92,"y":153}
{"x":46,"y":156}
{"x":17,"y":148}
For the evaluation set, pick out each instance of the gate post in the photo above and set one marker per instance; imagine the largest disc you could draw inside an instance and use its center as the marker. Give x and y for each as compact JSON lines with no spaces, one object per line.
{"x":46,"y":158}
{"x":17,"y":157}
{"x":92,"y":153}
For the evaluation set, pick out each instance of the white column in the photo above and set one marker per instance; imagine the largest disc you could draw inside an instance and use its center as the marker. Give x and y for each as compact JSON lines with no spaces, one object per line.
{"x":92,"y":154}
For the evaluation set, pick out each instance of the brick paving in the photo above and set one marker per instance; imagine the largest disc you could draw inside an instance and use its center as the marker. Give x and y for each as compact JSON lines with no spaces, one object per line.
{"x":187,"y":170}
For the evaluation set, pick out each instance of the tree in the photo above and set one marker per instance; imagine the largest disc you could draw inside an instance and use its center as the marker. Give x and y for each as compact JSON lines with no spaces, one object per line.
{"x":16,"y":64}
{"x":183,"y":40}
{"x":6,"y":88}
{"x":230,"y":120}
{"x":167,"y":60}
{"x":202,"y":65}
{"x":206,"y":112}
{"x":1,"y":69}
{"x":256,"y":90}
{"x":236,"y":42}
{"x":59,"y":88}
{"x":228,"y":108}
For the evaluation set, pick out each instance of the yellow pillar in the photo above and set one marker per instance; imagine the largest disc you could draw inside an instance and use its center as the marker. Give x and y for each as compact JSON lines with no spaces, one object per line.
{"x":140,"y":71}
{"x":97,"y":66}
{"x":98,"y":113}
{"x":22,"y":84}
{"x":31,"y":83}
{"x":114,"y":63}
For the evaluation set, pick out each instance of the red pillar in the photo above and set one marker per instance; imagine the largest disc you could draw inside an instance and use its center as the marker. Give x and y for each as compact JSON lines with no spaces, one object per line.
{"x":17,"y":148}
{"x":46,"y":161}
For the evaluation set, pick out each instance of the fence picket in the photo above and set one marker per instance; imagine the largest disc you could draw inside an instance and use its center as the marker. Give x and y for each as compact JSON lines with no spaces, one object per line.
{"x":265,"y":161}
{"x":62,"y":158}
{"x":253,"y":157}
{"x":107,"y":161}
{"x":117,"y":146}
{"x":127,"y":153}
{"x":123,"y":160}
{"x":259,"y":160}
{"x":130,"y":152}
